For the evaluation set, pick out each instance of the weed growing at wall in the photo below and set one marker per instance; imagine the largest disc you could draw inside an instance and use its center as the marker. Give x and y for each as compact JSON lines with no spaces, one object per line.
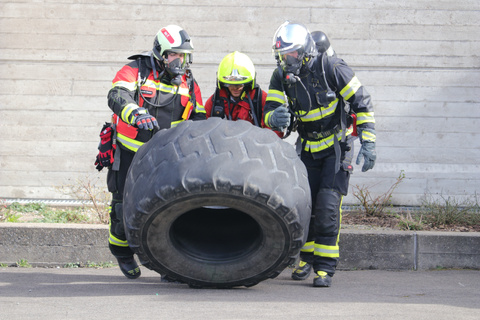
{"x":375,"y":206}
{"x":22,"y":263}
{"x":39,"y":212}
{"x":451,"y":211}
{"x":444,"y":213}
{"x":90,"y":190}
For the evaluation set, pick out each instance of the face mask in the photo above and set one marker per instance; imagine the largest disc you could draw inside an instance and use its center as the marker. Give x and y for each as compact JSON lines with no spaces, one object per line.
{"x":291,"y":64}
{"x":176,"y":71}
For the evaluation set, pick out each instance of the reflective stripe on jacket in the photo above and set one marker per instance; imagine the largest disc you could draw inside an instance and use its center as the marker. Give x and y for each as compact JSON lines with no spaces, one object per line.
{"x":173,"y":103}
{"x":316,"y":114}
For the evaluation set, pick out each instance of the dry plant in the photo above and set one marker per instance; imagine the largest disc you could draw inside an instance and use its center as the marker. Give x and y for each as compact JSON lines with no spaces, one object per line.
{"x":451,"y":210}
{"x":410,"y":222}
{"x":87,"y":190}
{"x":374,"y":206}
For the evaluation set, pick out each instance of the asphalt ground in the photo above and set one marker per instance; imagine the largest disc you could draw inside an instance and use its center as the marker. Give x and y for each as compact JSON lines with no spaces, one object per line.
{"x":89,"y":293}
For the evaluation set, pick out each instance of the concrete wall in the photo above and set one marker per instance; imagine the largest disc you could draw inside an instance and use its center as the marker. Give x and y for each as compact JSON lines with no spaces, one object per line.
{"x":59,"y":244}
{"x":419,"y":60}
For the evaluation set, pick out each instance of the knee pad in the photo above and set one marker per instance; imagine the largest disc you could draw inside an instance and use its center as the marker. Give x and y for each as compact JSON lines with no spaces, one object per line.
{"x":117,"y":225}
{"x":327,"y":212}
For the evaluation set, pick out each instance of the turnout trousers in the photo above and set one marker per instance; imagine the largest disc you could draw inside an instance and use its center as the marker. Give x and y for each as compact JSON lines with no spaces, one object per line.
{"x":327,"y":187}
{"x":117,"y":240}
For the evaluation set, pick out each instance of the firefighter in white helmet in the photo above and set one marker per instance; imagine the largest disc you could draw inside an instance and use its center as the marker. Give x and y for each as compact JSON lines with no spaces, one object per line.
{"x":155,"y":91}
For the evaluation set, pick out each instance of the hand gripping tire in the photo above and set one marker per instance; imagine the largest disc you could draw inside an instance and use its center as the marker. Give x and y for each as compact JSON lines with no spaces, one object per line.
{"x":217,"y":203}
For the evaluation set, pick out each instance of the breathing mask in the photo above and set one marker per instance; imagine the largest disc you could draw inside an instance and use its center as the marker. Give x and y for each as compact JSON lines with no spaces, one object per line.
{"x":176,"y":70}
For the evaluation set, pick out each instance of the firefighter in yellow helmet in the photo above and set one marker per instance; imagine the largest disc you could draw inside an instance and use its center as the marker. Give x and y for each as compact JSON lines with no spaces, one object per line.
{"x":237,"y":96}
{"x":313,"y":91}
{"x":155,"y":91}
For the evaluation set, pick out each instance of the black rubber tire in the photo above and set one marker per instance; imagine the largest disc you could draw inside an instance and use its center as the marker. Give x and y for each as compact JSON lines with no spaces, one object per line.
{"x":217,"y":203}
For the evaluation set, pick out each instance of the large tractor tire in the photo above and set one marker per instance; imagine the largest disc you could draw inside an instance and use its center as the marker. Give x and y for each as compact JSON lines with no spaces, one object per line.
{"x":217,"y":203}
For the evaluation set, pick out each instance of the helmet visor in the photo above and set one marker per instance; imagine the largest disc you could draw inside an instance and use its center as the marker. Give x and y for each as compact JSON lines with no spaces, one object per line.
{"x":289,"y":57}
{"x":187,"y":57}
{"x":234,"y":78}
{"x":234,"y":85}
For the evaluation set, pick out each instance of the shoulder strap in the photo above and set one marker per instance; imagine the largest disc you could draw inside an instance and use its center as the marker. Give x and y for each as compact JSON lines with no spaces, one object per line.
{"x":143,"y":72}
{"x":215,"y":100}
{"x":191,"y":87}
{"x":343,"y":112}
{"x":254,"y":110}
{"x":257,"y":104}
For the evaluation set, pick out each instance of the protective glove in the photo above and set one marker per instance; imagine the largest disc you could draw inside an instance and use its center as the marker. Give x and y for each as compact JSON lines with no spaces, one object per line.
{"x":144,"y":120}
{"x":103,"y":160}
{"x":367,"y":151}
{"x":105,"y":149}
{"x":280,"y":118}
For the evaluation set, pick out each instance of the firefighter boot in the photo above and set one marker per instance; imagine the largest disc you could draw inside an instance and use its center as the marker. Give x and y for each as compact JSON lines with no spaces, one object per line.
{"x":129,"y":267}
{"x":302,"y":272}
{"x":322,"y":279}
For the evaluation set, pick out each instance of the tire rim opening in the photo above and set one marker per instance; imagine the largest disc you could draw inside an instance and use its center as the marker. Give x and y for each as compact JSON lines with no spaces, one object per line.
{"x":216,"y":234}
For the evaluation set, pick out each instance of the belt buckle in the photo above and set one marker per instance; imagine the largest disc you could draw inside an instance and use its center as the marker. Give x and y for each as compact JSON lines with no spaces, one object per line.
{"x":315,"y":135}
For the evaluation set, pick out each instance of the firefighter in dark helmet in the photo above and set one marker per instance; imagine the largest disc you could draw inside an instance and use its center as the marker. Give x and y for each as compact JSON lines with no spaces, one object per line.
{"x":323,"y":98}
{"x":155,"y":91}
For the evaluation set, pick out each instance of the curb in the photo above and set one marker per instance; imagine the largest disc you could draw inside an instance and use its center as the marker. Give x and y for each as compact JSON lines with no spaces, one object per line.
{"x":43,"y":244}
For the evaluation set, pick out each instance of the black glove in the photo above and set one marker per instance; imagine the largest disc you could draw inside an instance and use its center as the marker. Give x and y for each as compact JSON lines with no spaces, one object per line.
{"x":144,"y":120}
{"x":367,"y":151}
{"x":280,"y":118}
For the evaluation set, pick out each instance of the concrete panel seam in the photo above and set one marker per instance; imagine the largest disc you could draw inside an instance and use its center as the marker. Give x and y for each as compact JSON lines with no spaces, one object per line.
{"x":415,"y":251}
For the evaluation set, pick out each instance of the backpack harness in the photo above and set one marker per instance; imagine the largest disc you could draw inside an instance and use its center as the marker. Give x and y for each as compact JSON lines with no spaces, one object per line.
{"x":347,"y":116}
{"x":143,"y":73}
{"x":255,"y":105}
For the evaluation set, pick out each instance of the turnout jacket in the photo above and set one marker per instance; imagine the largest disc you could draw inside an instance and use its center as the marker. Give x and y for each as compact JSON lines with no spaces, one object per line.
{"x":171,"y":104}
{"x":320,"y":121}
{"x":241,"y":110}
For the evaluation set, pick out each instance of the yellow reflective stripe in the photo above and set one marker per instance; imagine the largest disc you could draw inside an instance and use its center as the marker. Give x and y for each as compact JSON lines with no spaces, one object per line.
{"x":364,"y":117}
{"x":326,"y":251}
{"x":157,"y":85}
{"x":319,"y":113}
{"x":111,"y":238}
{"x":331,"y":251}
{"x":172,"y":89}
{"x":117,"y":242}
{"x":267,"y":118}
{"x":151,"y":83}
{"x":351,"y":88}
{"x":340,"y":220}
{"x":199,"y":108}
{"x":308,"y":246}
{"x":127,"y":111}
{"x":132,"y":86}
{"x":129,"y":143}
{"x":316,"y":146}
{"x":175,"y":123}
{"x":368,"y":136}
{"x":276,"y":95}
{"x":183,"y":91}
